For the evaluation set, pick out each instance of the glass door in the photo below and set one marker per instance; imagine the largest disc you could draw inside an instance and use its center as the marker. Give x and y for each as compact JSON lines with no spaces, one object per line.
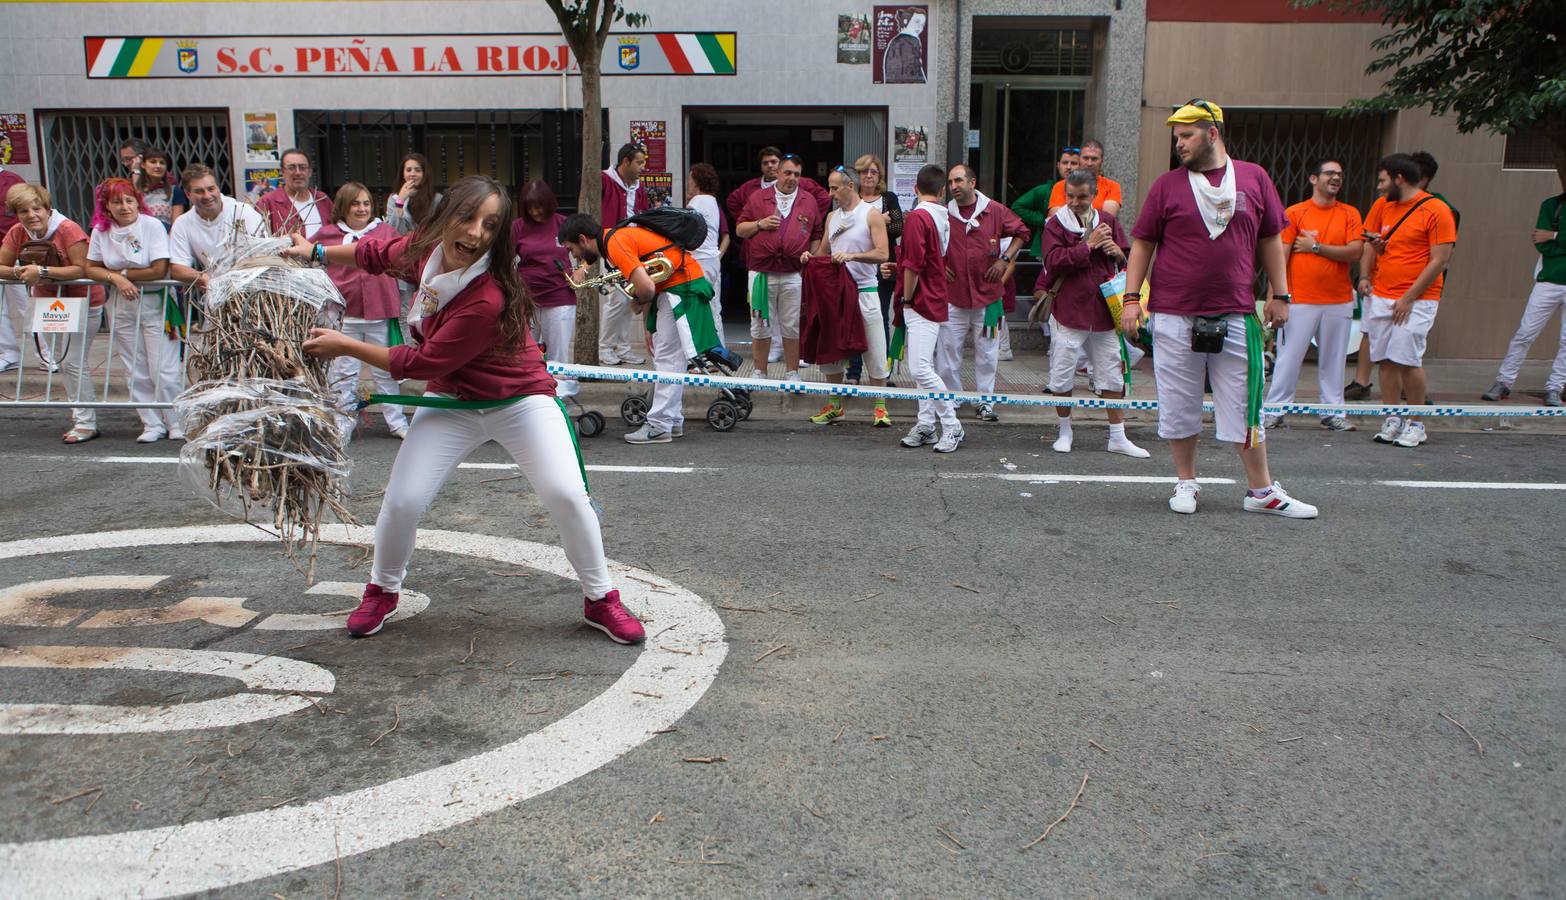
{"x":1022,"y":125}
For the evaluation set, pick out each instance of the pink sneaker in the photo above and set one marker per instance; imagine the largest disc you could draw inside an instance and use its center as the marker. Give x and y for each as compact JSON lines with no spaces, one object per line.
{"x":612,"y":618}
{"x":372,"y":612}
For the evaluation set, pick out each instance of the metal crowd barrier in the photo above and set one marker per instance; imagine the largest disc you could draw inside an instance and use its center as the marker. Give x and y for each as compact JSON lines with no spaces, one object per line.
{"x":47,"y":356}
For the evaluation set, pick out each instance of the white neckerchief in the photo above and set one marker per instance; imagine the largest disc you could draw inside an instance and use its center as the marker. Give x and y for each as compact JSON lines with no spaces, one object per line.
{"x":350,"y":236}
{"x":971,"y":222}
{"x":630,"y":190}
{"x":937,"y":213}
{"x":765,"y":184}
{"x":436,"y":288}
{"x":784,"y":208}
{"x":1216,"y":204}
{"x":56,"y":219}
{"x":1069,"y":221}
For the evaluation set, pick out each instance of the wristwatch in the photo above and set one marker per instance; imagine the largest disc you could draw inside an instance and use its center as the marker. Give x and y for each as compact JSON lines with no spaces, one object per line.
{"x":1315,"y":247}
{"x":1286,"y":298}
{"x":43,"y":271}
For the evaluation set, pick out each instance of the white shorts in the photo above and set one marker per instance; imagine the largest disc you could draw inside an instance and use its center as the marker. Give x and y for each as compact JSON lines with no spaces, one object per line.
{"x":1103,"y":353}
{"x":1402,"y":344}
{"x":1179,"y":373}
{"x":783,"y":296}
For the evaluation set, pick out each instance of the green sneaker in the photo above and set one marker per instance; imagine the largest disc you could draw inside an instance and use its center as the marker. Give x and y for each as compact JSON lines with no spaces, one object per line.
{"x":881,"y":419}
{"x":831,"y":411}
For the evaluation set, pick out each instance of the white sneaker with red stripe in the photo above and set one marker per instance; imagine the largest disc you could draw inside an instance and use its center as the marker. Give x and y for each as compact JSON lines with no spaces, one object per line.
{"x":1275,"y":501}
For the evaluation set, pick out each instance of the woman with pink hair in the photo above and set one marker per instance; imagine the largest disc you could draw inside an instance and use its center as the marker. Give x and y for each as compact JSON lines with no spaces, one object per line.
{"x":128,"y":248}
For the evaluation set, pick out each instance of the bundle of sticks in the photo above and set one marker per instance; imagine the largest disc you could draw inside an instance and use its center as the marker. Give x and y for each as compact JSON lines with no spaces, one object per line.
{"x":263,"y":441}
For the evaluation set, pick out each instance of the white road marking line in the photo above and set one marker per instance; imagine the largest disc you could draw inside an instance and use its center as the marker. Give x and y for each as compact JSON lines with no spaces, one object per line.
{"x":174,"y":460}
{"x":652,"y":695}
{"x":1082,"y":479}
{"x":271,"y":673}
{"x":1480,"y":485}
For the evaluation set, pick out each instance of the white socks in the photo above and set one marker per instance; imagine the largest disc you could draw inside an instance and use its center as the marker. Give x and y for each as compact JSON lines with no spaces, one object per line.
{"x":1063,"y":442}
{"x":1119,"y":443}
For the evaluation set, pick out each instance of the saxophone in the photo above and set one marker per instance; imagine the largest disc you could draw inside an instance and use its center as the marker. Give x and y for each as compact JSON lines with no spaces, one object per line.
{"x":658,"y":266}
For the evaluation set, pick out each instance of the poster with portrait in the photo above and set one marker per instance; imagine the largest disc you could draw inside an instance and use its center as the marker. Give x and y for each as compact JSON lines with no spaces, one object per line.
{"x":853,"y":39}
{"x":261,"y":137}
{"x":13,"y":140}
{"x":258,"y":181}
{"x":901,"y":50}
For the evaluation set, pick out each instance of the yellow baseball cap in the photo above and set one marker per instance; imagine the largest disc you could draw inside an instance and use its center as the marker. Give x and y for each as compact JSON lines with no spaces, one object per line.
{"x":1196,"y":111}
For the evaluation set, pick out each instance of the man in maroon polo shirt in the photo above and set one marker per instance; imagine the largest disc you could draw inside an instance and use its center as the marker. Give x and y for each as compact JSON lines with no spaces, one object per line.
{"x":1209,"y":221}
{"x":296,"y":207}
{"x":986,"y":238}
{"x":768,"y":159}
{"x":620,"y":333}
{"x":776,"y":225}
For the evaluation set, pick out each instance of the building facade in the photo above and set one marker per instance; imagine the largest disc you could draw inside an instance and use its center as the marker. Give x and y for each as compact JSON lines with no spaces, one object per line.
{"x":489,"y":87}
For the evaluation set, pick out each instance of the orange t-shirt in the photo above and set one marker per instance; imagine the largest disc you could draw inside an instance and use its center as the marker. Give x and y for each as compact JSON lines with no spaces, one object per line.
{"x":1408,"y":252}
{"x":1313,"y":278}
{"x":1108,"y":189}
{"x":627,"y":246}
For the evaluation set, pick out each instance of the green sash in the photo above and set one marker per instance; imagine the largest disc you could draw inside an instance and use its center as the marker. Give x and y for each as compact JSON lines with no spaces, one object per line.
{"x":691,"y":307}
{"x":1255,"y":379}
{"x":898,"y":347}
{"x":992,"y":317}
{"x":394,"y":332}
{"x":173,"y":316}
{"x":758,"y":297}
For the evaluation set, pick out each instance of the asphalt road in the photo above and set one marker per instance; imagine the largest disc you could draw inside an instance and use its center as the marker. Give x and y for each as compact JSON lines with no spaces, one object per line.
{"x":1257,"y":703}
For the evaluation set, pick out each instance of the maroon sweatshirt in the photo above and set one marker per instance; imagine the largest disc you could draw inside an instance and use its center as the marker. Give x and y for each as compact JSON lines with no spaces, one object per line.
{"x":457,"y":351}
{"x":778,"y":250}
{"x":1079,"y":304}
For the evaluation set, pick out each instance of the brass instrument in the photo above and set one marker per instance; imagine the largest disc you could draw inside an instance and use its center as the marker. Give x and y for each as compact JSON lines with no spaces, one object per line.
{"x":658,"y":267}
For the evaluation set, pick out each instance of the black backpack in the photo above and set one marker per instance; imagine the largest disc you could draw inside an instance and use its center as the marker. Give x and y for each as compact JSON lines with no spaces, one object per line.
{"x":685,"y":228}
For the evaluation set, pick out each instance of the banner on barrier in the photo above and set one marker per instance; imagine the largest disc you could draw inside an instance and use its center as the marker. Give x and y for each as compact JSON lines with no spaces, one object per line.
{"x":58,"y":315}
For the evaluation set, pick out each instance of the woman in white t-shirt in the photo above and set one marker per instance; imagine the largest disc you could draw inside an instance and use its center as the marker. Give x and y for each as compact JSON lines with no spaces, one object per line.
{"x":130,"y":247}
{"x":701,"y":187}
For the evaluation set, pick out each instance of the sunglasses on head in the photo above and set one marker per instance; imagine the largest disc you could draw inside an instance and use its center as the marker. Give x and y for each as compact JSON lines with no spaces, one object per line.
{"x":1205,"y":106}
{"x":1074,"y":151}
{"x":790,"y":156}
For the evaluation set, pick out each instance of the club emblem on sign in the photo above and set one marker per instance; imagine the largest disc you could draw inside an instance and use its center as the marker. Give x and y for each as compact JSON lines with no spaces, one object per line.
{"x":187,"y":57}
{"x":630,"y":53}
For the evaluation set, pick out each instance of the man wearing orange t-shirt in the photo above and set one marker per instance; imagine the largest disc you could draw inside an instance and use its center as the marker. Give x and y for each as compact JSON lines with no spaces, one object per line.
{"x":1416,"y":234}
{"x":1322,"y":237}
{"x":681,"y":325}
{"x":1108,"y":200}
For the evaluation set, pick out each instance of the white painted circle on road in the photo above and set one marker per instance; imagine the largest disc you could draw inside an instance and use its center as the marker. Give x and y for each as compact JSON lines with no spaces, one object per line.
{"x":652,"y":695}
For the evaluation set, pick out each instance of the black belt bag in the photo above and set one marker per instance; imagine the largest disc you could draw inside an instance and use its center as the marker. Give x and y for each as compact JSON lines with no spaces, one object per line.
{"x":1208,"y":333}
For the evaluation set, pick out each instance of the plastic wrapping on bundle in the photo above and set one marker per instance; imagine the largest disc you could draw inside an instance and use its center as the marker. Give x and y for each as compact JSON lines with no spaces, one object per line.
{"x":300,"y":285}
{"x":286,"y":458}
{"x":208,"y":401}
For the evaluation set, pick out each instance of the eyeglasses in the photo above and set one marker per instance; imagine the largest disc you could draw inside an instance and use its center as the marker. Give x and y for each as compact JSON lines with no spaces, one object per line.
{"x":1329,"y":173}
{"x":1203,"y":105}
{"x":297,"y":167}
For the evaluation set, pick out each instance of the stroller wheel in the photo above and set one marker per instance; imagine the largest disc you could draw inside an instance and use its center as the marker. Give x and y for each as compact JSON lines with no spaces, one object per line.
{"x":745,"y":404}
{"x":590,"y":424}
{"x":723,"y":415}
{"x":633,"y":409}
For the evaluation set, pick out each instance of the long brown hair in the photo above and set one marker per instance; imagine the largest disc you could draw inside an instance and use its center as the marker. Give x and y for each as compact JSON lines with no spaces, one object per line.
{"x":462,"y":198}
{"x":424,"y":195}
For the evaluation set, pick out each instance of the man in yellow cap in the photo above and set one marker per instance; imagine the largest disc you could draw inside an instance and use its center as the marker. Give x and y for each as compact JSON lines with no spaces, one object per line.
{"x":1208,"y":221}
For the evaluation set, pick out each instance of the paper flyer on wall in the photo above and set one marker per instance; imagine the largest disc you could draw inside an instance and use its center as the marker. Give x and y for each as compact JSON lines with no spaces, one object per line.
{"x":261,"y":137}
{"x":853,"y":39}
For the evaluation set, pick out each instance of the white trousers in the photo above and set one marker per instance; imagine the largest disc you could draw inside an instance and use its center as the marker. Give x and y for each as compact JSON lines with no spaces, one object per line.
{"x":537,"y":434}
{"x":922,"y":345}
{"x":14,"y":301}
{"x":1545,"y":299}
{"x":345,"y":372}
{"x":667,"y":409}
{"x":1330,"y":324}
{"x":959,"y":324}
{"x":875,"y":336}
{"x":555,"y":328}
{"x":1179,"y":373}
{"x":75,"y":373}
{"x":617,"y":332}
{"x":150,"y":357}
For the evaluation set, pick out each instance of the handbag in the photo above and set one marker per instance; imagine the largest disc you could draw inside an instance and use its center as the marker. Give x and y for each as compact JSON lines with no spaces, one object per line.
{"x":39,"y":253}
{"x":1039,"y":311}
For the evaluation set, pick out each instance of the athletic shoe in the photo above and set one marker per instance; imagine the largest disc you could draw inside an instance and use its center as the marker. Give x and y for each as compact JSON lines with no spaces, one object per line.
{"x":918,"y":436}
{"x":48,"y":365}
{"x":881,"y":419}
{"x":775,"y":354}
{"x":1278,"y":503}
{"x":647,"y":434}
{"x":1005,"y":356}
{"x":372,"y":611}
{"x":1389,"y":430}
{"x":1271,"y":421}
{"x":1062,"y":442}
{"x":632,"y":359}
{"x":1412,"y":435}
{"x":986,"y":413}
{"x":400,"y":434}
{"x":152,"y":436}
{"x":1337,"y":423}
{"x":677,"y":431}
{"x":608,"y":359}
{"x":1552,"y":398}
{"x":612,"y":618}
{"x":177,"y":434}
{"x":1498,"y":391}
{"x":7,"y":367}
{"x":1184,"y":498}
{"x":1124,"y":447}
{"x":828,"y":413}
{"x":1356,"y":391}
{"x":950,"y":441}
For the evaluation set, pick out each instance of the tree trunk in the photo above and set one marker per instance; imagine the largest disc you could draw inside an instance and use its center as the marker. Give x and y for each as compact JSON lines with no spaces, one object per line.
{"x":589,"y":197}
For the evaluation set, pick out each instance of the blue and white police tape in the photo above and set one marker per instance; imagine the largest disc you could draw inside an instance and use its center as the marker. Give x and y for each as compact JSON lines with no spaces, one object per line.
{"x":644,"y":376}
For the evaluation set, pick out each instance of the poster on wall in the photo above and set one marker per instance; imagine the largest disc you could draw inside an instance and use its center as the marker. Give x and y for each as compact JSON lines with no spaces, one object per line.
{"x":652,"y":135}
{"x":910,"y":151}
{"x":901,"y":53}
{"x":853,"y":40}
{"x":261,"y":137}
{"x":13,"y":139}
{"x":260,"y":180}
{"x":660,"y":188}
